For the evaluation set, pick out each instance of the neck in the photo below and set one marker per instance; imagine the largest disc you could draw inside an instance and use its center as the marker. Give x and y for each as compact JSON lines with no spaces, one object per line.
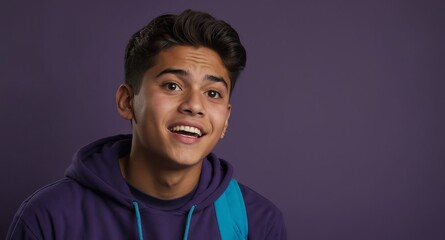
{"x":159,"y":181}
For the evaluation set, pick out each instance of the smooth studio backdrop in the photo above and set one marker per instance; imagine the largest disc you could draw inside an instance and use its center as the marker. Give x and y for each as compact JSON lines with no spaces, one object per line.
{"x":338,"y":118}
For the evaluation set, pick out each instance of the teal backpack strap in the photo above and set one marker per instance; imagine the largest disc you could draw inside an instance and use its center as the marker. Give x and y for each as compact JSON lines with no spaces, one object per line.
{"x":231,"y":213}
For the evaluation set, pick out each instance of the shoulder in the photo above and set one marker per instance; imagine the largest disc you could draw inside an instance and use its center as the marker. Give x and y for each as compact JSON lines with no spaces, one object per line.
{"x":258,"y":202}
{"x":264,"y":218}
{"x":52,"y":195}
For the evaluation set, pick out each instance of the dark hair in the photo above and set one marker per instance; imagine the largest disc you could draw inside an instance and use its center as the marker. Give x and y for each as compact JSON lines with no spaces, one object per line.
{"x":190,"y":28}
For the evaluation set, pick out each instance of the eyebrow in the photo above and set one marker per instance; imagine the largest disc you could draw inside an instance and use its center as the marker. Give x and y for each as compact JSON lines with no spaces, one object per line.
{"x":183,"y":73}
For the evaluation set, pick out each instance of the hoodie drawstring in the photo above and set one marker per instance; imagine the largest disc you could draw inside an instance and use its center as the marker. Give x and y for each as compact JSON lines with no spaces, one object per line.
{"x":189,"y":219}
{"x":138,"y":219}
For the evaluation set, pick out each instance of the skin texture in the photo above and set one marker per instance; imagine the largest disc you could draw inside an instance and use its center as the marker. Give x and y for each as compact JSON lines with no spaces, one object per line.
{"x":187,"y":86}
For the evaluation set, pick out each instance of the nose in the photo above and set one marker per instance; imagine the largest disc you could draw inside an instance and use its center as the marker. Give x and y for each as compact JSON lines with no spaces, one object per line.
{"x":192,"y":104}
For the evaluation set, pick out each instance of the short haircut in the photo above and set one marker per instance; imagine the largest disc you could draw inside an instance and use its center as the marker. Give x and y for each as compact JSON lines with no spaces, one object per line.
{"x":190,"y":28}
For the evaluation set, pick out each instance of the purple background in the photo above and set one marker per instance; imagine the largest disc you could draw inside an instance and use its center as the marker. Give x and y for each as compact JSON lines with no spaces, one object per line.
{"x":338,"y":117}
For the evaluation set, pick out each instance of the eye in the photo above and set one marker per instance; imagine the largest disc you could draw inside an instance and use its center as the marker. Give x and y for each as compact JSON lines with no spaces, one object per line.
{"x":213,"y":94}
{"x":171,"y":86}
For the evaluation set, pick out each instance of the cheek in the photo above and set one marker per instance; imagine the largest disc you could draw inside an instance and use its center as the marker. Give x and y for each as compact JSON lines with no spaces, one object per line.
{"x":156,"y":101}
{"x":160,"y":105}
{"x":220,"y":117}
{"x":152,"y":110}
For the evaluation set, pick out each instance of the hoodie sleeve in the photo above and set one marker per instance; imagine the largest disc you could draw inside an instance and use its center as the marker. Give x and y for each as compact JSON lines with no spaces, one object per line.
{"x":264,"y":218}
{"x":277,"y":228}
{"x":35,"y":217}
{"x":19,"y":230}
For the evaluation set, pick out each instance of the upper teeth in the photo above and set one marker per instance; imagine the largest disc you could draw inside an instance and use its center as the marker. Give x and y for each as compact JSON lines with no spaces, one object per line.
{"x":187,"y":129}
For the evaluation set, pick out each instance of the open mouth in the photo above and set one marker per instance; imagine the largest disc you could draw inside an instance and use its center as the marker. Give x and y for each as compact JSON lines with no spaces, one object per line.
{"x":188,"y":131}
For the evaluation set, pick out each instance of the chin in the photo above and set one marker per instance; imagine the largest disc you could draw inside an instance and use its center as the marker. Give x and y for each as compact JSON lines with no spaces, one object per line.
{"x":185,"y":162}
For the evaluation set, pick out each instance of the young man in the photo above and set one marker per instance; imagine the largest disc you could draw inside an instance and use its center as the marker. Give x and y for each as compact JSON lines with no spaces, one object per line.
{"x":161,"y":182}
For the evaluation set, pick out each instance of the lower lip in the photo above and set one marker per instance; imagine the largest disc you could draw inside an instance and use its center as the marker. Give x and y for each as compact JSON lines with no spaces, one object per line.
{"x":185,"y":139}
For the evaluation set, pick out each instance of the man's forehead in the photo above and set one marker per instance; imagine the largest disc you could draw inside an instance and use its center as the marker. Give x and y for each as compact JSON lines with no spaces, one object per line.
{"x":188,"y":60}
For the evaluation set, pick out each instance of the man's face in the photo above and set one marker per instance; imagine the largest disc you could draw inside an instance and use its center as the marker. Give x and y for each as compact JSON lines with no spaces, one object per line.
{"x":182,"y":108}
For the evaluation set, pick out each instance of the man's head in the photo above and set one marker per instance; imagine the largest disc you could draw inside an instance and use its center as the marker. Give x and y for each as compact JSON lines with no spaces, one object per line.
{"x":180,"y":72}
{"x":189,"y":28}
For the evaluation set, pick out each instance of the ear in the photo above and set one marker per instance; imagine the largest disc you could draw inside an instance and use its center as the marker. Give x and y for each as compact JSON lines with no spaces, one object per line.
{"x":226,"y":124}
{"x":124,"y":101}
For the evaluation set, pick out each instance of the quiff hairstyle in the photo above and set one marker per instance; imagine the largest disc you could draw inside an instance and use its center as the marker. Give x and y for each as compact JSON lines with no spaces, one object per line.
{"x":190,"y":28}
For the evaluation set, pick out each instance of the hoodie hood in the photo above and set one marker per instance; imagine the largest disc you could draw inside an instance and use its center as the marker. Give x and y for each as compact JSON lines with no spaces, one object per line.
{"x":96,"y":166}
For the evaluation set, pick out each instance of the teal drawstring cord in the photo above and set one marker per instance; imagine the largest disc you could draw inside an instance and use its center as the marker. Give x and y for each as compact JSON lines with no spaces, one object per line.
{"x":189,"y":219}
{"x":138,"y":219}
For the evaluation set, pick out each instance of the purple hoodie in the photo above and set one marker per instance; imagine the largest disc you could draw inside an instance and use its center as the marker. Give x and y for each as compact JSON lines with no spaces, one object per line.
{"x":94,"y":201}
